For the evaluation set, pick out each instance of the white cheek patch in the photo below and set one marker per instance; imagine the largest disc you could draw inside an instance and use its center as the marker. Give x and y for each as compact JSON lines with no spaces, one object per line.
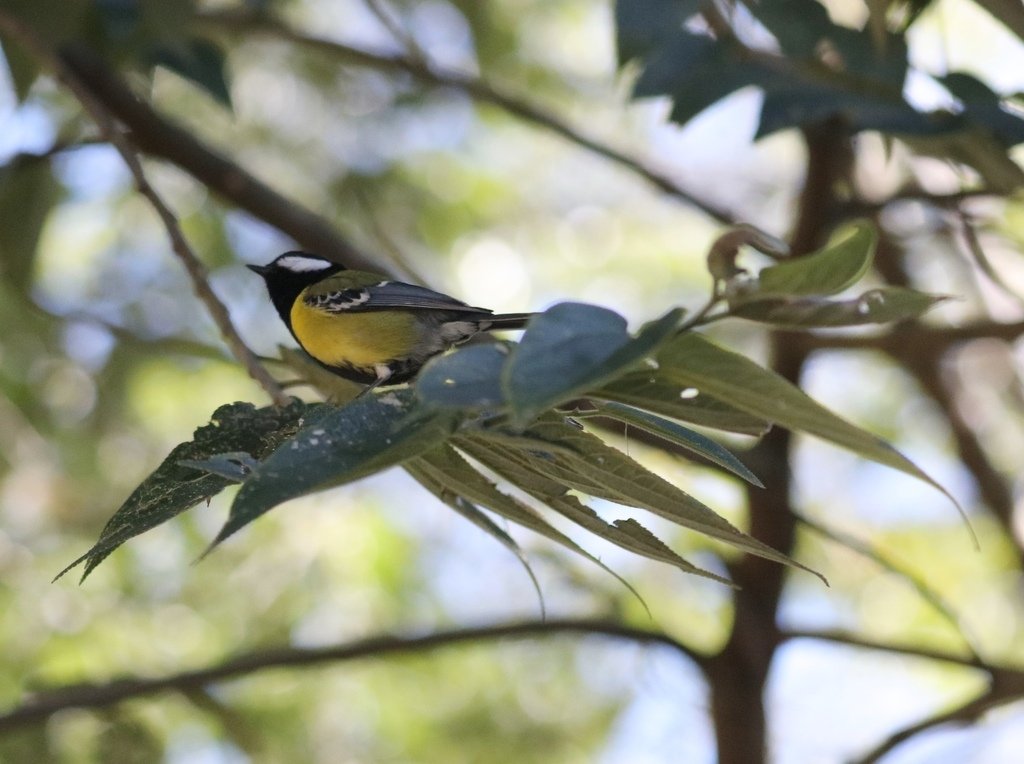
{"x":303,"y":264}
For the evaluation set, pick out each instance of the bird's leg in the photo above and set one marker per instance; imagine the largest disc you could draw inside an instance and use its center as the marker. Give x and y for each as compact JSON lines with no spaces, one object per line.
{"x":383,"y":375}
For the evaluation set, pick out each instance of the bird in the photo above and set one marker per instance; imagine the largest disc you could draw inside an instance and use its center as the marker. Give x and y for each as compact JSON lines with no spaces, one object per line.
{"x":366,"y":327}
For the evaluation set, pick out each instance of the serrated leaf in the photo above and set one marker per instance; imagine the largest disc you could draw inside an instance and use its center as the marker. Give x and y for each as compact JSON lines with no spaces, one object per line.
{"x":472,"y":513}
{"x":627,"y":534}
{"x":524,"y":441}
{"x":594,"y":467}
{"x":446,"y":465}
{"x":697,"y":71}
{"x":198,"y":61}
{"x":828,"y":271}
{"x":681,"y":436}
{"x":652,"y":391}
{"x":173,"y":488}
{"x":571,"y":348}
{"x":798,"y":25}
{"x":641,"y":25}
{"x":693,"y":360}
{"x":368,"y":435}
{"x":877,"y":306}
{"x":863,"y":85}
{"x":469,"y":377}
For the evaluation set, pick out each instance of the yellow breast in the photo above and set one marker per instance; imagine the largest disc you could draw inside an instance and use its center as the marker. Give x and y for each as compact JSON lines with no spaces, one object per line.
{"x":353,"y":339}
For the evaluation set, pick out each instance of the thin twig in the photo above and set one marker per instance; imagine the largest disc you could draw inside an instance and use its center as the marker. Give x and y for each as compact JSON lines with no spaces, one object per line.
{"x":387,"y":243}
{"x":858,"y":207}
{"x":384,"y":15}
{"x":965,"y":713}
{"x":855,"y":640}
{"x":50,"y":702}
{"x":193,"y":266}
{"x":158,"y":136}
{"x":915,"y":335}
{"x":473,"y":86}
{"x":977,"y":253}
{"x":59,"y":146}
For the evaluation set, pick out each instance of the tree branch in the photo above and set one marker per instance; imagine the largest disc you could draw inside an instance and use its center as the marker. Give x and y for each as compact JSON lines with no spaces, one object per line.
{"x":919,"y":336}
{"x":1006,"y":685}
{"x":159,"y":137}
{"x":859,"y":207}
{"x":475,"y":87}
{"x":103,"y":695}
{"x":856,"y":640}
{"x":193,"y":266}
{"x":1000,"y":693}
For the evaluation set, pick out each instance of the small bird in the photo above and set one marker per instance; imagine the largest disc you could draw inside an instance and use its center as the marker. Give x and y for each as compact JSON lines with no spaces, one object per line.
{"x":365,"y":327}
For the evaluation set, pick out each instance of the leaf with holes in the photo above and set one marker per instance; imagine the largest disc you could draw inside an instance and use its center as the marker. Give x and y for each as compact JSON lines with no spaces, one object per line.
{"x":175,"y":487}
{"x":368,"y":435}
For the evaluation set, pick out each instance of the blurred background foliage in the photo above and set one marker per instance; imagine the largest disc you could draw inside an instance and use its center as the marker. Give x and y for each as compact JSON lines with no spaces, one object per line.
{"x":107,"y":361}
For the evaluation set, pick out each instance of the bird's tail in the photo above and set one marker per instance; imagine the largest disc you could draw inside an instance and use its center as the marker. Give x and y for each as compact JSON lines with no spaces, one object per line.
{"x":508,"y":321}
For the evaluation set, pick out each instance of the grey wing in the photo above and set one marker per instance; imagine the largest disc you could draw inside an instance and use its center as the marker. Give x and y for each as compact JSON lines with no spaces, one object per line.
{"x":385,"y":295}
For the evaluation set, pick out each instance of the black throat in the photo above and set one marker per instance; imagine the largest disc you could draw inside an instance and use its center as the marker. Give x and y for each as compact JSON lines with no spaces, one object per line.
{"x":284,"y":287}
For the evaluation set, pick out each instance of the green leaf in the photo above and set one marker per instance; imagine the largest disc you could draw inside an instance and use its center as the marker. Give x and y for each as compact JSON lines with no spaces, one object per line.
{"x":468,"y":378}
{"x":641,"y":25}
{"x":367,"y":435}
{"x":692,"y":360}
{"x":173,"y":488}
{"x":571,"y":348}
{"x":879,"y":306}
{"x":697,"y":71}
{"x":446,"y":466}
{"x":627,"y":534}
{"x":681,"y":436}
{"x":864,"y":87}
{"x":652,"y":391}
{"x":798,"y":25}
{"x":199,"y":61}
{"x":830,"y":270}
{"x":600,"y":470}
